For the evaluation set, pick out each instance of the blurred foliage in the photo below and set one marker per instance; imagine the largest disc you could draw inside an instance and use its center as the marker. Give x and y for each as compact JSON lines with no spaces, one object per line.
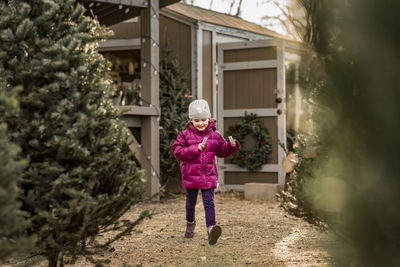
{"x":353,"y":182}
{"x":13,"y":221}
{"x":296,"y":198}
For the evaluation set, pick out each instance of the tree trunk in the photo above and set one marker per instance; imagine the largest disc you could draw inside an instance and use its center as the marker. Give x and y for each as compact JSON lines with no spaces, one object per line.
{"x":56,"y":259}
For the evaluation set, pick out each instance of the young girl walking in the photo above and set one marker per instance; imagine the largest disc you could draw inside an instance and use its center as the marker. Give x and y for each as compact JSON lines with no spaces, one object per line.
{"x":196,"y":148}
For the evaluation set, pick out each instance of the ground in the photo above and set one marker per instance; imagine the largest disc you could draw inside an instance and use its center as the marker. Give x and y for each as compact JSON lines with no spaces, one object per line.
{"x":253,"y":234}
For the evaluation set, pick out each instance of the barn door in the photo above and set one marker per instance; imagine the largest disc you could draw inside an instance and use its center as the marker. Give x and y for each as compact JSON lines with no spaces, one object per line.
{"x":251,"y":78}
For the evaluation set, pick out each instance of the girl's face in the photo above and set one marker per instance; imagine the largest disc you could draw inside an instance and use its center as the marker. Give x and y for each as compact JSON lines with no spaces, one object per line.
{"x":200,"y":124}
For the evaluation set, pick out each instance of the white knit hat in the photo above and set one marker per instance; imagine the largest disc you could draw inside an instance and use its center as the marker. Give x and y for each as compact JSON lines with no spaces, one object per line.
{"x":199,"y":109}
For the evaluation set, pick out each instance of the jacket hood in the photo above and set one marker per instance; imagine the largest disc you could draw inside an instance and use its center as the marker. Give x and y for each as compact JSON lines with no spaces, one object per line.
{"x":212,"y":124}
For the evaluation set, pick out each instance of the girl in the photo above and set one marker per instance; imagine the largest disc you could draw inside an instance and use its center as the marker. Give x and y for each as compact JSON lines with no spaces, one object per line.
{"x":196,"y":148}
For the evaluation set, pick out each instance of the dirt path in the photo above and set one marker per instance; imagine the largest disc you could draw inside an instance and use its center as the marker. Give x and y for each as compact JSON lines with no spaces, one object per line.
{"x":254,"y":234}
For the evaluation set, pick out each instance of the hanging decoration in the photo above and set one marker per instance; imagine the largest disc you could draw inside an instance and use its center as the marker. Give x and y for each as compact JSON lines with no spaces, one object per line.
{"x":253,"y":158}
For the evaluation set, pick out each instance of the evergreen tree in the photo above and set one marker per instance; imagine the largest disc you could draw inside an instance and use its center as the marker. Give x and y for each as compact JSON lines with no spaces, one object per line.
{"x":12,"y":220}
{"x":174,"y":102}
{"x":81,"y":177}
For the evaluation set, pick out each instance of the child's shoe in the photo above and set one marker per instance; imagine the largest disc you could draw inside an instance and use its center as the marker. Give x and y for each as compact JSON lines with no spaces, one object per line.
{"x":214,"y":232}
{"x":190,"y":229}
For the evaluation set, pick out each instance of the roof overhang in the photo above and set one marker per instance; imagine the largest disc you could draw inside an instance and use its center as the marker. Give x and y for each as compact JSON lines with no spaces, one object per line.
{"x":110,"y":12}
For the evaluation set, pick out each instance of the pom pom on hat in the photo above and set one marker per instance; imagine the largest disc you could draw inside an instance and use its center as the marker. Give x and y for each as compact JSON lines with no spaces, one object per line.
{"x":199,"y":109}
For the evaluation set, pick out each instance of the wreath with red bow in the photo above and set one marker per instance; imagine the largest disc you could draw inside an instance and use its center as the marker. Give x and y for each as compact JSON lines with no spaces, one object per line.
{"x":251,"y":159}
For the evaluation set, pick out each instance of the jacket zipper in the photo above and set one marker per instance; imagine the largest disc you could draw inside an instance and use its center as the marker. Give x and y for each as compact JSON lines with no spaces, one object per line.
{"x":204,"y":163}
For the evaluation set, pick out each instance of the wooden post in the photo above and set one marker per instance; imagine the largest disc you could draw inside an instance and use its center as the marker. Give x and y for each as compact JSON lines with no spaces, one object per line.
{"x":150,"y":132}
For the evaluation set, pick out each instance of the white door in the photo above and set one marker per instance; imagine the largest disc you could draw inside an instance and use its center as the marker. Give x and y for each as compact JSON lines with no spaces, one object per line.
{"x":251,"y":78}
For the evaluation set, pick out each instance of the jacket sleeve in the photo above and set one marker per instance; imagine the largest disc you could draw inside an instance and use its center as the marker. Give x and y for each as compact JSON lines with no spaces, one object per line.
{"x":224,"y":148}
{"x":182,"y":151}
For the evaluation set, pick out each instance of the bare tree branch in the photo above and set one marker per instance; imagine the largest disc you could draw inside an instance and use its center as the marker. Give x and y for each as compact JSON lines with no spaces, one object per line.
{"x":292,"y":17}
{"x":231,"y":6}
{"x":238,"y":11}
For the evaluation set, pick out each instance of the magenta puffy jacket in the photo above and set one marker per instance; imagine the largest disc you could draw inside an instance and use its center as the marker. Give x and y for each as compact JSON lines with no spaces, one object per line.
{"x":198,"y":168}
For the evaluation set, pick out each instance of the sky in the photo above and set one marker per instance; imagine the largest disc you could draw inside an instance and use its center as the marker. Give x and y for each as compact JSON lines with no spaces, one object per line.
{"x":252,"y":10}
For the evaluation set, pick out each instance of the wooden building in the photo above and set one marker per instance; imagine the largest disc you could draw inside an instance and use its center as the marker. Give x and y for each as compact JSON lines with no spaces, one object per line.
{"x":237,"y":66}
{"x":109,"y":12}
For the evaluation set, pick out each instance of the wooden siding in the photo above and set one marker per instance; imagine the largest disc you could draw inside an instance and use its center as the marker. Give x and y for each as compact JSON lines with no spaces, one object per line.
{"x":240,"y":178}
{"x":207,"y":68}
{"x":177,"y":36}
{"x":249,"y":54}
{"x":271,"y":124}
{"x":245,"y":89}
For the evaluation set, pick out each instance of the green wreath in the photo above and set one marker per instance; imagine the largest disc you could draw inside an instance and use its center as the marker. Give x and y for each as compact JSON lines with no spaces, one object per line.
{"x":251,"y":159}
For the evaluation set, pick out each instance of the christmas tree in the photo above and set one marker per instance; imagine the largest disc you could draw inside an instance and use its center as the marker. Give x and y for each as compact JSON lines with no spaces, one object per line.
{"x":174,"y":102}
{"x":81,"y":177}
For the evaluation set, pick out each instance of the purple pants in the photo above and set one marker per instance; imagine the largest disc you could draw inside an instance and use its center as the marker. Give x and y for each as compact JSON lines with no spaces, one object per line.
{"x":208,"y":203}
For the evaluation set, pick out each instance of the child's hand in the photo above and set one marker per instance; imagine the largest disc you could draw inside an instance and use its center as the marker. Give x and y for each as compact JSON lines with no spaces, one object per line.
{"x":233,"y":143}
{"x":201,"y":146}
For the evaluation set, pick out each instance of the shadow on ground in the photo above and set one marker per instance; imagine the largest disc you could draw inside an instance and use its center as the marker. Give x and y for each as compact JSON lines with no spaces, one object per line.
{"x":253,"y":234}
